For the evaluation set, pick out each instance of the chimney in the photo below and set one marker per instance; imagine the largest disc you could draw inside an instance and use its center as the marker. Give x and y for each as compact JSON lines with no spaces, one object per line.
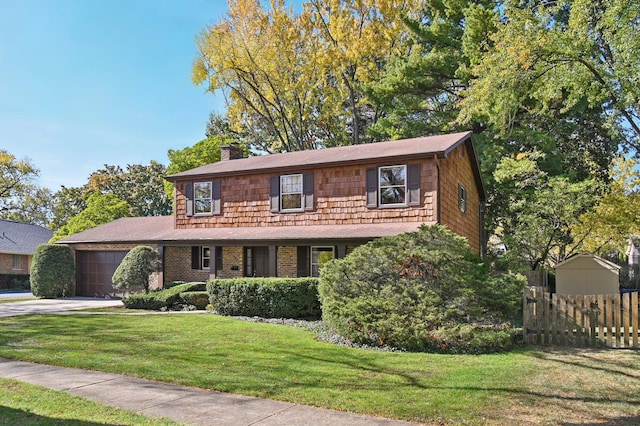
{"x":230,"y":152}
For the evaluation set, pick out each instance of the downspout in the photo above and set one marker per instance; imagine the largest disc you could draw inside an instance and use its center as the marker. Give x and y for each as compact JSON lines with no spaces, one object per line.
{"x":439,"y":192}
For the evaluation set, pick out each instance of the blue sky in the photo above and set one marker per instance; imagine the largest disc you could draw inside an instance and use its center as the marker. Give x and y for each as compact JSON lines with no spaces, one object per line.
{"x":85,"y":83}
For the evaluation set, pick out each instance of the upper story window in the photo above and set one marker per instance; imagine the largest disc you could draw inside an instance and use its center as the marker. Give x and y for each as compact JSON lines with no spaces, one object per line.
{"x":202,"y":197}
{"x":291,"y":192}
{"x":394,"y":186}
{"x":462,"y":198}
{"x":392,"y":183}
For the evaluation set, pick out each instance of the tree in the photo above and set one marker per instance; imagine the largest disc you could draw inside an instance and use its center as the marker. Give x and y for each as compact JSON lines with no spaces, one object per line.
{"x":204,"y":152}
{"x":52,"y":271}
{"x":140,"y":186}
{"x":293,"y":81}
{"x":537,"y":217}
{"x":605,"y":229}
{"x":135,"y":268}
{"x":549,"y":56}
{"x":101,"y":209}
{"x":67,"y":203}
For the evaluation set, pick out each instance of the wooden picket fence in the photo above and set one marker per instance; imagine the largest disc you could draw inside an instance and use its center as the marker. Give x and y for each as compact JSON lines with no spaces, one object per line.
{"x":602,"y":320}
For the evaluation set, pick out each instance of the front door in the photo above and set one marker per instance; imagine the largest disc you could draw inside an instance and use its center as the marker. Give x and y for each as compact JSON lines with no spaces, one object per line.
{"x":256,"y":262}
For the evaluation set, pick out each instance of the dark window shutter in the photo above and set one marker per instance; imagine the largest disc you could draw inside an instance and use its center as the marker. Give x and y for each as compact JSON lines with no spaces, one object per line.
{"x":188,"y":193}
{"x":372,"y":187}
{"x":307,"y":183}
{"x":413,"y":184}
{"x":303,"y":261}
{"x":218,"y":258}
{"x":195,"y":257}
{"x":215,"y":197}
{"x":274,"y":193}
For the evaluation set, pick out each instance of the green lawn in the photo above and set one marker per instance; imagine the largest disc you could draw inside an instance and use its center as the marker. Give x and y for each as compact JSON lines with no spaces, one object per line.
{"x":288,"y":364}
{"x":16,"y":299}
{"x":25,"y":404}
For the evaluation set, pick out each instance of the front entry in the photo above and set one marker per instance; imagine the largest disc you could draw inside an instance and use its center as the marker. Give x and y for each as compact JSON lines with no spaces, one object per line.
{"x":256,"y":261}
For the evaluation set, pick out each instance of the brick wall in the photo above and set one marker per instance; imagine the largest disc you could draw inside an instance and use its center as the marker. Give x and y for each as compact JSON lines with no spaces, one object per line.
{"x":177,"y":266}
{"x":232,"y":262}
{"x":6,"y":264}
{"x":288,"y":261}
{"x":339,"y":196}
{"x":456,"y":169}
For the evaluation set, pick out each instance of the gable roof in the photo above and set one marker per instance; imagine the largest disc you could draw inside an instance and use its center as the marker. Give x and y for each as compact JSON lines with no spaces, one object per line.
{"x":585,"y":255}
{"x":159,"y":229}
{"x":22,"y":238}
{"x":403,"y":149}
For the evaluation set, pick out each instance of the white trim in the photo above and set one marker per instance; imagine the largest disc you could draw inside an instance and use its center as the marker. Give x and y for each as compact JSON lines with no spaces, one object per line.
{"x":301,"y":193}
{"x":404,"y":186}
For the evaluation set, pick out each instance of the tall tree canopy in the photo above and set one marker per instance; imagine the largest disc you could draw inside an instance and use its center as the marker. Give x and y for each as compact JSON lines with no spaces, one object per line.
{"x":295,"y":81}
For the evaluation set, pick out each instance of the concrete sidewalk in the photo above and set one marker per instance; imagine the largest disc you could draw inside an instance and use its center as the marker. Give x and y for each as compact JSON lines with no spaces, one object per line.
{"x":182,"y":404}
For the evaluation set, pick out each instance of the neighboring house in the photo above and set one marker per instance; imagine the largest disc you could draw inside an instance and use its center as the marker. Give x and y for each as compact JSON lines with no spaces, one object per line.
{"x":18,"y":243}
{"x":285,"y":214}
{"x":586,"y":274}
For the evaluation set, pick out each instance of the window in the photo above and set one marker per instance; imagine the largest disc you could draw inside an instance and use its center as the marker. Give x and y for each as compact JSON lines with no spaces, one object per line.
{"x":392,"y":184}
{"x":462,"y":198}
{"x":202,"y":197}
{"x":206,"y":257}
{"x":320,"y":256}
{"x":17,"y":261}
{"x":291,"y":192}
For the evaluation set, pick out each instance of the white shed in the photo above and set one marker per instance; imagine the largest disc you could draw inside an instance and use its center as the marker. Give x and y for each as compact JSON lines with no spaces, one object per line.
{"x":585,"y":273}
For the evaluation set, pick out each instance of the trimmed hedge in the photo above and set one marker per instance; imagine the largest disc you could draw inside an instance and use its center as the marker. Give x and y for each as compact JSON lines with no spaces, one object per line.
{"x":162,"y":299}
{"x":295,"y":298}
{"x":53,"y":271}
{"x":199,"y":299}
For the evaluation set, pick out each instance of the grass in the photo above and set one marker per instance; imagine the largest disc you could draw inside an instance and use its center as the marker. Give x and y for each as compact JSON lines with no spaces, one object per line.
{"x":16,"y":299}
{"x":524,"y":387}
{"x":25,"y":404}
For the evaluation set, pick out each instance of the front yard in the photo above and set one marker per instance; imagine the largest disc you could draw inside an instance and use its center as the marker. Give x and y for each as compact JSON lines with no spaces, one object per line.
{"x":529,"y":386}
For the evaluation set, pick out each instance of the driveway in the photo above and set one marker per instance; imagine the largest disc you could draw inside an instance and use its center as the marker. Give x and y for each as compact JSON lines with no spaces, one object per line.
{"x":55,"y":306}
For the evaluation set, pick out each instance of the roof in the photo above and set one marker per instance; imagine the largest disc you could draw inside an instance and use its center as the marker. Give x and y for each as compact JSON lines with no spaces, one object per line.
{"x":159,"y":229}
{"x":22,"y":238}
{"x":600,"y":261}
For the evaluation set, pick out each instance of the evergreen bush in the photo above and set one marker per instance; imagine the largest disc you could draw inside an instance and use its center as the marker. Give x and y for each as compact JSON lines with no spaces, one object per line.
{"x":423,"y":291}
{"x":162,"y":299}
{"x":295,"y":298}
{"x":52,"y":271}
{"x":135,"y":268}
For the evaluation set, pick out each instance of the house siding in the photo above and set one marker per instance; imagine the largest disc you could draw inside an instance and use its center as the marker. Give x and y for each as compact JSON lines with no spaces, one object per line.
{"x":177,"y":266}
{"x":6,"y":264}
{"x":456,"y":169}
{"x":339,"y":193}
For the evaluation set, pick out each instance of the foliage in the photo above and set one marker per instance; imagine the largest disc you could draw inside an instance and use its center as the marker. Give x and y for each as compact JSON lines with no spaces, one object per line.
{"x":101,"y":209}
{"x":14,"y":282}
{"x":605,"y":229}
{"x":140,"y":186}
{"x":53,"y":271}
{"x":399,"y":291}
{"x":293,"y":81}
{"x":161,"y":299}
{"x":135,"y":268}
{"x":198,"y":299}
{"x":539,"y":213}
{"x":548,"y":57}
{"x":265,"y":297}
{"x":67,"y":203}
{"x":204,"y":152}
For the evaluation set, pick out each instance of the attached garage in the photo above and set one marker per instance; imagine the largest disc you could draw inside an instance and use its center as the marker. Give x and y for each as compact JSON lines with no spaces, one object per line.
{"x":94,"y":271}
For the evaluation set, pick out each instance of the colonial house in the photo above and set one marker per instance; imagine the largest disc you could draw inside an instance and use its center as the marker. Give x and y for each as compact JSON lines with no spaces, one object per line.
{"x":18,"y":243}
{"x":285,"y":214}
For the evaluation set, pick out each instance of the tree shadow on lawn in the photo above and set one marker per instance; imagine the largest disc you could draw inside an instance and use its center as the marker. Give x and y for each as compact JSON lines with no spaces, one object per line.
{"x":13,"y":416}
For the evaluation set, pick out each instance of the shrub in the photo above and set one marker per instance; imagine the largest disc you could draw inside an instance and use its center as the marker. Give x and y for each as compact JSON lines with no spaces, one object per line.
{"x":161,"y":299}
{"x":52,"y":271}
{"x":266,"y":297}
{"x":135,"y":268}
{"x":198,"y":299}
{"x":402,"y":291}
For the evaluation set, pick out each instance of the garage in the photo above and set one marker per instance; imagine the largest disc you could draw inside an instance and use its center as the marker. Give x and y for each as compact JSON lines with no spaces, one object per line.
{"x":94,"y":270}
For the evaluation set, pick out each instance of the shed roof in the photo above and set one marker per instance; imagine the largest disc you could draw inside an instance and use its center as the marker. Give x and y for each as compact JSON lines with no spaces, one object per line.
{"x":159,"y":229}
{"x":422,"y":147}
{"x":22,"y":238}
{"x":585,"y":255}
